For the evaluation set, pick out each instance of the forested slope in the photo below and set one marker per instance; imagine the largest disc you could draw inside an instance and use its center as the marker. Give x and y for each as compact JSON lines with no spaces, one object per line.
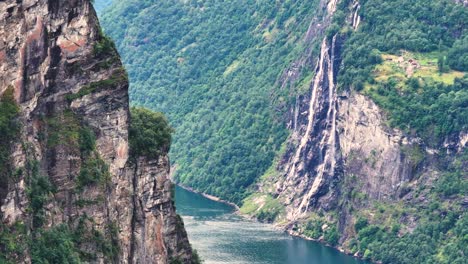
{"x":432,"y":37}
{"x":211,"y":66}
{"x":243,"y":84}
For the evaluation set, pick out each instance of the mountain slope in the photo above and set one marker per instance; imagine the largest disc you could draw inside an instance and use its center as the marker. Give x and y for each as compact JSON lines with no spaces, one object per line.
{"x":379,"y":143}
{"x":101,"y":5}
{"x":211,"y":67}
{"x":73,"y":190}
{"x":360,"y":108}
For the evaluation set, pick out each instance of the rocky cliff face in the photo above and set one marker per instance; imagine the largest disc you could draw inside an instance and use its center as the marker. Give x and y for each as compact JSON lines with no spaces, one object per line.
{"x":71,"y":89}
{"x":341,"y":157}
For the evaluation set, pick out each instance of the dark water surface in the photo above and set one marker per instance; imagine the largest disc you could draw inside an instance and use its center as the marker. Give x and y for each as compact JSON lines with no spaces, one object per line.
{"x":220,"y":236}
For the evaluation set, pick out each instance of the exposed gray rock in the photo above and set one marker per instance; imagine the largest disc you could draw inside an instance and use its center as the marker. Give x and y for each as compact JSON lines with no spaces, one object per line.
{"x":341,"y":146}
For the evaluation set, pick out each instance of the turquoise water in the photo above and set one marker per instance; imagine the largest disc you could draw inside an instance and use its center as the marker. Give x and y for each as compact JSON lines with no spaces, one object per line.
{"x":220,"y":236}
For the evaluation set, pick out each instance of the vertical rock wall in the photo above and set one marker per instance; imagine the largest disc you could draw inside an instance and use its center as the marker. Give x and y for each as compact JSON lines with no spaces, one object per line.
{"x":67,"y":78}
{"x":341,"y":157}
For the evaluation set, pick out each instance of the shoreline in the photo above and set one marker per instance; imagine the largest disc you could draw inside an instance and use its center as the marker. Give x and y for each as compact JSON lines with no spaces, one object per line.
{"x":280,"y":228}
{"x":210,"y":197}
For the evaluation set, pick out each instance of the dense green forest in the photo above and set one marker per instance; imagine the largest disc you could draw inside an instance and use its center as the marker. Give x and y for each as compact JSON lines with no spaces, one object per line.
{"x":425,"y":105}
{"x":211,"y":66}
{"x":390,"y":26}
{"x":410,"y":58}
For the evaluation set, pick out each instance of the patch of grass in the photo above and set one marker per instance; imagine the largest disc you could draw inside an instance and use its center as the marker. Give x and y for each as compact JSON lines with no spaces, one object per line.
{"x":447,"y":78}
{"x":85,"y":202}
{"x":428,"y":104}
{"x":303,"y":85}
{"x":391,"y":67}
{"x":250,"y":204}
{"x":263,"y":207}
{"x":117,"y":77}
{"x":231,"y":68}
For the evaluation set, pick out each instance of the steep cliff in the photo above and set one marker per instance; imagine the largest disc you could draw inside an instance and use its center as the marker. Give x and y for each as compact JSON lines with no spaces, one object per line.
{"x":72,"y":189}
{"x":373,"y":94}
{"x":346,"y":176}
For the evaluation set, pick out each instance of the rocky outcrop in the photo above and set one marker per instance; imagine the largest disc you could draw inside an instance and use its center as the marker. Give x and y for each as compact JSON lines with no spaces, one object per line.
{"x":341,"y":156}
{"x":313,"y":165}
{"x":72,"y":92}
{"x":154,"y":221}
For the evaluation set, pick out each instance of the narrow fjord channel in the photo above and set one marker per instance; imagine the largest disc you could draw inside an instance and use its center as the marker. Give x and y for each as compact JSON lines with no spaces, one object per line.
{"x":221,"y":236}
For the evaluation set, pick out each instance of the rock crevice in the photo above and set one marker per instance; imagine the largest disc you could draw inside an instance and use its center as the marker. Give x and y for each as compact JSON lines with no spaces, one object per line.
{"x":72,"y":92}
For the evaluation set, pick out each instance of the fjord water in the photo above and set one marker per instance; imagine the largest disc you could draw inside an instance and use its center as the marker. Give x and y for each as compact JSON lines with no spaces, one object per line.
{"x":220,"y":236}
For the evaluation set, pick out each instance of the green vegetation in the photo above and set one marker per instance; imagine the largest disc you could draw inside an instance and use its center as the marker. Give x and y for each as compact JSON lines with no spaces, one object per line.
{"x":419,"y":99}
{"x":196,"y":259}
{"x":150,"y":134}
{"x":46,"y":246}
{"x":331,"y":235}
{"x":87,"y":140}
{"x":264,"y":207}
{"x":39,"y":191}
{"x":391,"y":26}
{"x":430,"y":109}
{"x":212,"y":67}
{"x":408,"y":57}
{"x":458,"y":54}
{"x":62,"y":244}
{"x":453,"y":182}
{"x":117,"y":77}
{"x":55,"y":245}
{"x":439,"y":239}
{"x":63,"y":129}
{"x":93,"y":171}
{"x":66,"y":129}
{"x":83,"y":202}
{"x":104,"y":47}
{"x":439,"y":235}
{"x":313,"y":228}
{"x":9,"y":129}
{"x":426,"y":99}
{"x":423,"y":66}
{"x":13,"y":242}
{"x":317,"y":227}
